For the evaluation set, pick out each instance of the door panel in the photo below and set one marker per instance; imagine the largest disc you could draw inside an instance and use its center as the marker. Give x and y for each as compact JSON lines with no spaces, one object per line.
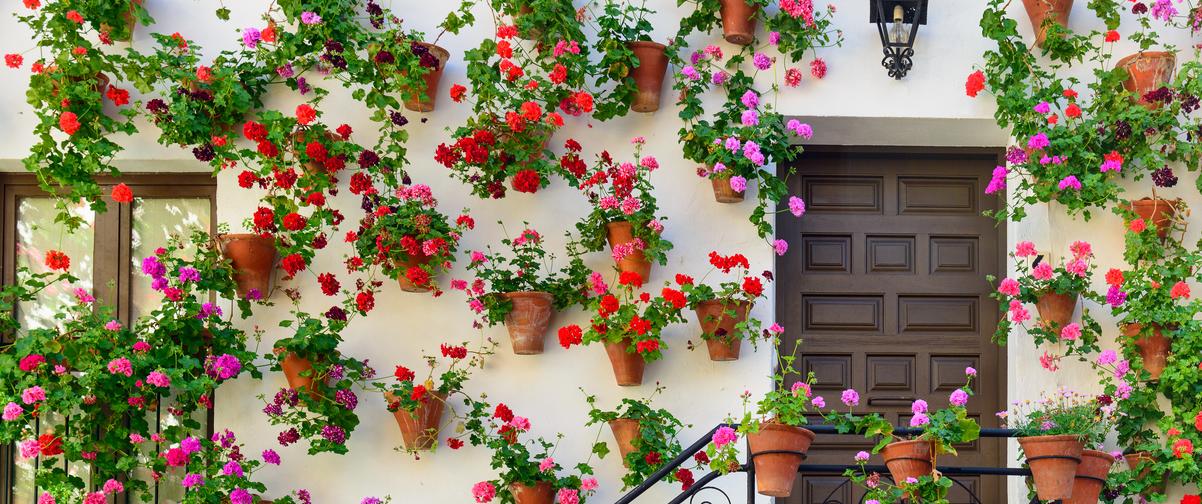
{"x":884,"y":286}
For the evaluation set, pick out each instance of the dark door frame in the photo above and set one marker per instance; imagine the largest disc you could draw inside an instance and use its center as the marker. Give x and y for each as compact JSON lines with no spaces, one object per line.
{"x":785,"y":170}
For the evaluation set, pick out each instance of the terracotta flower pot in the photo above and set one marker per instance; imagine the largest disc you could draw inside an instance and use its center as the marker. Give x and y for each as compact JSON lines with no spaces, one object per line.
{"x":1040,"y":10}
{"x":1156,"y":211}
{"x":130,"y":23}
{"x":625,"y":431}
{"x":713,"y":317}
{"x":1147,"y":71}
{"x":628,"y":366}
{"x":1091,"y":477}
{"x":408,"y":285}
{"x":293,"y":365}
{"x":1142,"y":461}
{"x":619,"y":233}
{"x":649,"y":75}
{"x":541,"y":493}
{"x":419,"y":428}
{"x":528,"y":321}
{"x":776,"y":472}
{"x":1053,"y":461}
{"x":101,"y":84}
{"x":1154,"y":347}
{"x":723,"y":193}
{"x":253,"y":257}
{"x":738,"y":21}
{"x":909,"y":459}
{"x":432,"y":77}
{"x":1055,"y":309}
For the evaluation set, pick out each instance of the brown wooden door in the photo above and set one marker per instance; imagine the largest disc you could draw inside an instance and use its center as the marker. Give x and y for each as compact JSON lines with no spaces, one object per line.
{"x":884,"y":283}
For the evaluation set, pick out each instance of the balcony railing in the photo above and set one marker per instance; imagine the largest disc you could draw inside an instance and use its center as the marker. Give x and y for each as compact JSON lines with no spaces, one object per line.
{"x":703,"y":484}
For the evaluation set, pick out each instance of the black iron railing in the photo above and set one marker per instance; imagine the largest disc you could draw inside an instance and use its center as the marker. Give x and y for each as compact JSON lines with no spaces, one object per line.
{"x":702,"y":484}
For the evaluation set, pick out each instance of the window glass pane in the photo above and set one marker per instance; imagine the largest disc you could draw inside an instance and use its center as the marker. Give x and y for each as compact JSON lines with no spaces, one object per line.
{"x":155,"y":220}
{"x":37,"y":233}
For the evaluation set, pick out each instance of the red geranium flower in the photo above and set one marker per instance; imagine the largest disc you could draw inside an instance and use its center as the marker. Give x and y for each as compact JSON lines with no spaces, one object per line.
{"x":1114,"y":276}
{"x":1072,"y":110}
{"x":419,"y":393}
{"x":56,"y":260}
{"x":503,"y":412}
{"x":417,"y":276}
{"x":403,"y":373}
{"x":1179,"y":290}
{"x":454,"y":443}
{"x":558,"y":74}
{"x":647,"y":346}
{"x":50,"y":444}
{"x":527,"y":181}
{"x":264,"y":218}
{"x":122,"y":194}
{"x":454,"y":352}
{"x":457,"y":92}
{"x":570,"y":335}
{"x":753,"y":287}
{"x":254,"y":131}
{"x":13,"y":60}
{"x":975,"y":83}
{"x":305,"y":114}
{"x":1112,"y":36}
{"x":344,"y":131}
{"x":68,"y":122}
{"x":329,"y":283}
{"x":74,"y":15}
{"x":683,"y":280}
{"x":294,"y":222}
{"x":365,"y":301}
{"x":609,"y":304}
{"x":631,"y":278}
{"x":292,"y":264}
{"x":118,"y":96}
{"x":675,"y":297}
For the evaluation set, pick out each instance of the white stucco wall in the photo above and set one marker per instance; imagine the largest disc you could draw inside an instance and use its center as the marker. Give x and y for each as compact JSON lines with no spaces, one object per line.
{"x":857,"y":103}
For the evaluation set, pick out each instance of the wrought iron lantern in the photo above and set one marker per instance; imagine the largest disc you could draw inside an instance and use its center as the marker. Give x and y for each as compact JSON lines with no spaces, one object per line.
{"x":897,"y":21}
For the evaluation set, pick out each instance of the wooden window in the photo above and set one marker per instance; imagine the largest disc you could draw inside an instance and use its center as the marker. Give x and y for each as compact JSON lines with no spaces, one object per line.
{"x":105,"y":255}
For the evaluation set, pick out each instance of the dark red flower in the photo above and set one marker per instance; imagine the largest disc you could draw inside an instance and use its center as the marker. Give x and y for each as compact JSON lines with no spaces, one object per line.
{"x":329,"y":284}
{"x":292,"y":264}
{"x":264,"y":218}
{"x":503,"y":412}
{"x":247,"y":179}
{"x":254,"y":131}
{"x":344,"y":131}
{"x":403,"y":373}
{"x":294,"y":222}
{"x":685,"y":477}
{"x":365,"y":301}
{"x":527,"y":181}
{"x":454,"y":443}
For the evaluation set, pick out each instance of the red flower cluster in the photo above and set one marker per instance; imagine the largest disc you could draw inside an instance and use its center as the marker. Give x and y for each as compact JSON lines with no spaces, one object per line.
{"x":294,"y":222}
{"x":13,"y":60}
{"x":305,"y":114}
{"x":527,"y":181}
{"x":646,"y":346}
{"x":685,"y":477}
{"x":727,"y":263}
{"x":292,"y":264}
{"x":818,"y":68}
{"x":1114,"y":277}
{"x":264,"y":219}
{"x":1179,"y":290}
{"x":975,"y":83}
{"x":118,"y":96}
{"x":329,"y":284}
{"x":365,"y":301}
{"x":609,"y":304}
{"x":674,"y":297}
{"x":403,"y":373}
{"x":417,"y":276}
{"x":122,"y":194}
{"x":454,"y":352}
{"x":630,"y":278}
{"x":457,"y":92}
{"x":56,"y":260}
{"x":753,"y":287}
{"x":69,"y":122}
{"x":570,"y":335}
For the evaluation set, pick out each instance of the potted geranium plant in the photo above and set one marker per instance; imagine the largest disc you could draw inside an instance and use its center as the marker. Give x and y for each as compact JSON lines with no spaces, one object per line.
{"x":408,"y":238}
{"x":645,"y":436}
{"x":938,"y":432}
{"x":623,"y":211}
{"x":319,"y":402}
{"x":1053,"y":433}
{"x":629,"y":59}
{"x":1055,"y":292}
{"x":418,"y":405}
{"x":723,"y":311}
{"x":529,"y":473}
{"x":630,"y":324}
{"x":777,"y":442}
{"x":523,"y":291}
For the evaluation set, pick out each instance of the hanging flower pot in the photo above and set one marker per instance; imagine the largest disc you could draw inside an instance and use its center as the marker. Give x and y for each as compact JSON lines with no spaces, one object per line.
{"x":407,"y":284}
{"x":1156,"y":211}
{"x":909,"y":459}
{"x":253,"y":259}
{"x":129,"y":22}
{"x":1147,"y":72}
{"x":1142,"y":461}
{"x":776,"y":472}
{"x":528,"y":320}
{"x":717,"y":326}
{"x":1091,"y":477}
{"x":1055,"y":309}
{"x":432,"y":77}
{"x":293,"y":366}
{"x":723,"y":193}
{"x":738,"y":21}
{"x":1053,"y":461}
{"x":621,"y":233}
{"x":540,"y":493}
{"x":625,"y":431}
{"x":532,"y":33}
{"x":1153,"y":346}
{"x":419,"y":428}
{"x":1040,"y":10}
{"x":649,"y":75}
{"x":628,"y":366}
